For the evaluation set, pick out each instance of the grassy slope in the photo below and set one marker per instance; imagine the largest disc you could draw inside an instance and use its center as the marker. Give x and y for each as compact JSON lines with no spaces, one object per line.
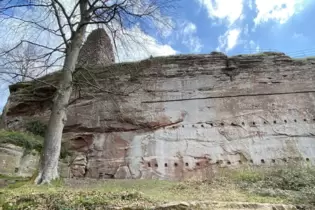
{"x":288,"y":185}
{"x":139,"y":193}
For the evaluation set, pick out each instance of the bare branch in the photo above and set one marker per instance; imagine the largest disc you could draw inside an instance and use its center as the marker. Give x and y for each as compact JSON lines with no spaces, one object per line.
{"x":33,"y":78}
{"x":59,"y":23}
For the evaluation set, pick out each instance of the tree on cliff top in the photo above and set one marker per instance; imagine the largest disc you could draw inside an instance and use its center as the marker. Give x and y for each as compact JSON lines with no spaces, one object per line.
{"x":66,"y":22}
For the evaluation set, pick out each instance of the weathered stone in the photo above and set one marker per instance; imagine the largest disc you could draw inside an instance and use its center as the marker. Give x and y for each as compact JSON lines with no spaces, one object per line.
{"x":123,"y":172}
{"x":186,"y":116}
{"x":14,"y":160}
{"x":78,"y":165}
{"x":97,"y":50}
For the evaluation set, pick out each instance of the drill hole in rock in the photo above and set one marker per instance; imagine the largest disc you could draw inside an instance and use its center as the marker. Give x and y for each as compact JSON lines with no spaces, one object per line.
{"x":273,"y":160}
{"x":222,"y":124}
{"x":307,"y":159}
{"x":149,"y":164}
{"x":285,"y":121}
{"x":202,"y":126}
{"x":275,"y":122}
{"x":240,"y":162}
{"x":156,"y":165}
{"x":175,"y":164}
{"x":211,"y":124}
{"x":165,"y":164}
{"x":186,"y":164}
{"x":197,"y":164}
{"x":254,"y":123}
{"x":305,"y":120}
{"x":243,"y":123}
{"x":284,"y":160}
{"x":295,"y":120}
{"x":265,"y":122}
{"x":229,"y":162}
{"x":262,"y":161}
{"x":251,"y":161}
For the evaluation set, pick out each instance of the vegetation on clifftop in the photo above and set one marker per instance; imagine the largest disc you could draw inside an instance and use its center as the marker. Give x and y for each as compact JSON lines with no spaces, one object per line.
{"x":25,"y":140}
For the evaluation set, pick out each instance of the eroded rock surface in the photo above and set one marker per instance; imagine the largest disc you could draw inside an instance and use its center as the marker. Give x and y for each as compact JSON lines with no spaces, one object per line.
{"x":97,"y":50}
{"x":182,"y":116}
{"x":14,"y":160}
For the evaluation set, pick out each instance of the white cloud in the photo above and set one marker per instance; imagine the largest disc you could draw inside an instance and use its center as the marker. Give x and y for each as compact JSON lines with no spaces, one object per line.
{"x":229,"y":39}
{"x":188,"y":37}
{"x":230,"y":10}
{"x":252,"y":47}
{"x":250,"y":4}
{"x":277,"y":10}
{"x":298,"y":36}
{"x":4,"y":94}
{"x":135,"y":45}
{"x":246,"y":30}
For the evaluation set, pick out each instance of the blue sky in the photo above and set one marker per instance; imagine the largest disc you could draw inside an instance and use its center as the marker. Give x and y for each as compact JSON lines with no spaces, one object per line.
{"x":229,"y":26}
{"x":244,"y":26}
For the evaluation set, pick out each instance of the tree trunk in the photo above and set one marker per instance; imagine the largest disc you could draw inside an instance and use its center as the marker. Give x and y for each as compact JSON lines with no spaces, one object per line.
{"x":48,"y":169}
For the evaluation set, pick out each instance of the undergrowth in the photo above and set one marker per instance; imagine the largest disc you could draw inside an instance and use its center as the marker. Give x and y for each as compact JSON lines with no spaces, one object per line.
{"x":25,"y":140}
{"x":29,"y":141}
{"x":36,"y":127}
{"x":289,"y":185}
{"x":294,"y":183}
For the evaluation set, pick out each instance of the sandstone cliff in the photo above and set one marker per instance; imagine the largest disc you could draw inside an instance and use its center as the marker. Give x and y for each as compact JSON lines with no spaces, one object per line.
{"x":180,"y":116}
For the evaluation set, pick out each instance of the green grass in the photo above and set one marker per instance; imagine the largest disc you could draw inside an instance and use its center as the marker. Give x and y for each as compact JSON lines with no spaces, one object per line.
{"x":139,"y":193}
{"x":295,"y":183}
{"x":25,"y":140}
{"x":289,"y":185}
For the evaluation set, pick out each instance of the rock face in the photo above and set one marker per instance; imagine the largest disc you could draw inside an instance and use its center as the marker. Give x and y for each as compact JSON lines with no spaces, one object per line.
{"x":182,"y":116}
{"x":15,"y":160}
{"x":97,"y":50}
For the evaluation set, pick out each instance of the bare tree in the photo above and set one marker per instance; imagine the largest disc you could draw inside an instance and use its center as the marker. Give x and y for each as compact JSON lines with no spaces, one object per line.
{"x":67,"y":21}
{"x":21,"y":64}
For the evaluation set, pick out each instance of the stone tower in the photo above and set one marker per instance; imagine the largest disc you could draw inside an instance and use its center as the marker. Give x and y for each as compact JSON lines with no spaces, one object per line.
{"x":97,"y":50}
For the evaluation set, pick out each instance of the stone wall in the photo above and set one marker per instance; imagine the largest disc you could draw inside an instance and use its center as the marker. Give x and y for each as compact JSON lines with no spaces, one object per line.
{"x":183,"y":116}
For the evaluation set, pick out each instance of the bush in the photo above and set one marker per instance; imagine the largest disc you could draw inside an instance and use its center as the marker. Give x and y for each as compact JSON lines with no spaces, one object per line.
{"x":296,"y":184}
{"x":290,"y":178}
{"x":28,"y":141}
{"x":36,"y":127}
{"x":249,"y":176}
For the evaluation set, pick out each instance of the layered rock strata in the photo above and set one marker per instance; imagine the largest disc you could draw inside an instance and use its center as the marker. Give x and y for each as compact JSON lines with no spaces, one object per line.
{"x":181,"y":116}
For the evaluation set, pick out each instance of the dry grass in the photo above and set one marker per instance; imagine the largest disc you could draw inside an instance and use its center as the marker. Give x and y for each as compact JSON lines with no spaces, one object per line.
{"x":274,"y":185}
{"x":139,"y":193}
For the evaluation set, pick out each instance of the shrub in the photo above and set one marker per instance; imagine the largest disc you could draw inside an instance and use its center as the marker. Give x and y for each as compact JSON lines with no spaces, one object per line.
{"x":36,"y":127}
{"x":28,"y":141}
{"x":290,"y":178}
{"x":294,"y":183}
{"x":250,"y":176}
